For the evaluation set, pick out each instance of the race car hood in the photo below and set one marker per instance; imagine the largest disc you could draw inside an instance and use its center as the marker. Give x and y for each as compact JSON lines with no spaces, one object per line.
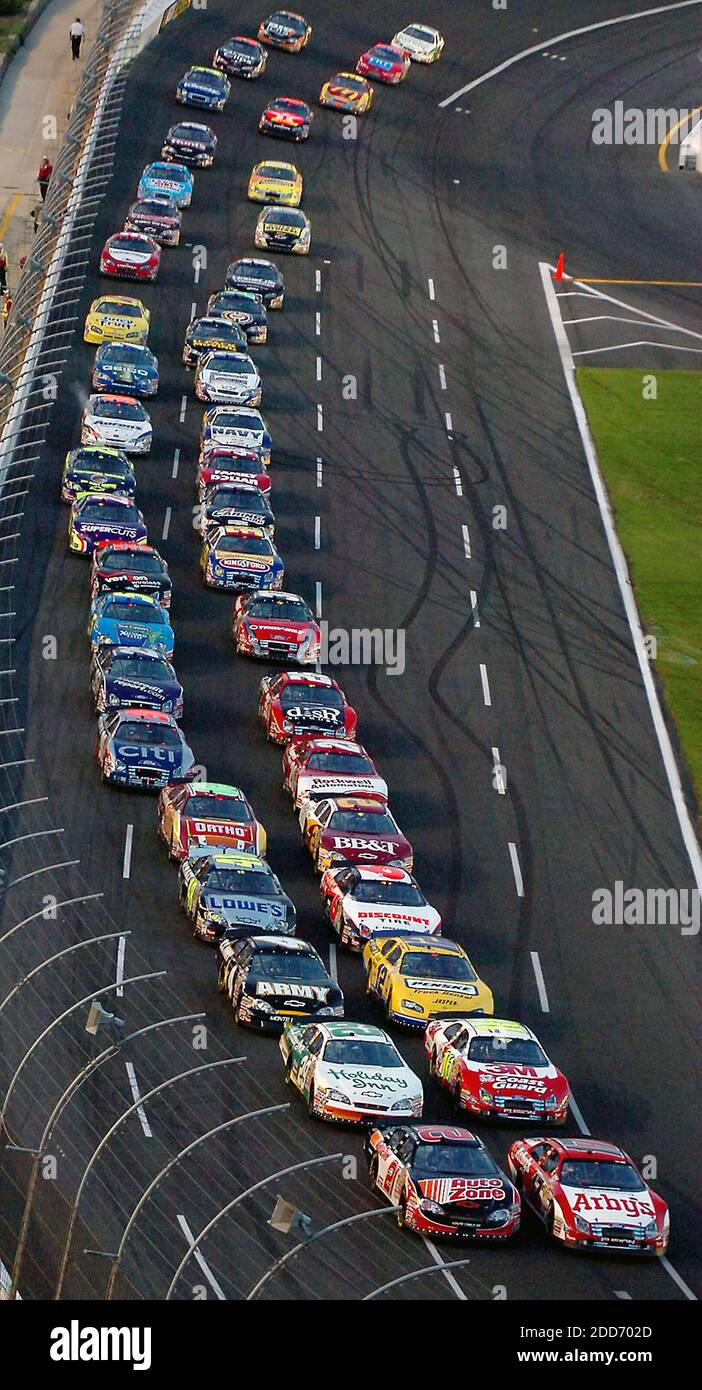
{"x":85,"y":481}
{"x":412,"y":45}
{"x":280,"y":631}
{"x":308,"y":715}
{"x":227,"y":833}
{"x":608,"y":1205}
{"x":509,"y":1079}
{"x":208,"y":476}
{"x":367,"y":1083}
{"x":319,"y":784}
{"x":236,"y":516}
{"x":171,"y":760}
{"x":261,"y":914}
{"x":440,"y":995}
{"x":135,"y":691}
{"x":366,"y":845}
{"x":255,"y":564}
{"x":131,"y":634}
{"x":110,"y":530}
{"x":118,"y":429}
{"x":382,"y":917}
{"x":138,"y":583}
{"x":464,"y":1190}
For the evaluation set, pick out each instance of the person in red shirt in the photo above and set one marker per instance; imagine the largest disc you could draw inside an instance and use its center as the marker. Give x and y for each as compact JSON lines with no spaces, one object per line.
{"x":46,"y":169}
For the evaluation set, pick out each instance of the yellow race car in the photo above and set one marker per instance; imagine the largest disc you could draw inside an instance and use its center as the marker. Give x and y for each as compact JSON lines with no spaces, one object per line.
{"x":283,"y":229}
{"x":271,"y":181}
{"x":346,"y":91}
{"x":115,"y":318}
{"x":418,"y":980}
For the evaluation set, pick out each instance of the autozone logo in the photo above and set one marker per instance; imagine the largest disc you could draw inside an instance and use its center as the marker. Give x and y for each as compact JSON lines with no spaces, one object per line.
{"x":630,"y":1206}
{"x":464,"y":1189}
{"x":355,"y":842}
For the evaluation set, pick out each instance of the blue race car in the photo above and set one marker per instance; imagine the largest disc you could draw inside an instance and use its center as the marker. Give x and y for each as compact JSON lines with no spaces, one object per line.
{"x":143,"y":749}
{"x":96,"y":517}
{"x":204,"y":87}
{"x":240,"y":557}
{"x":130,"y":620}
{"x":134,"y":678}
{"x":173,"y":181}
{"x":125,"y":367}
{"x":90,"y":468}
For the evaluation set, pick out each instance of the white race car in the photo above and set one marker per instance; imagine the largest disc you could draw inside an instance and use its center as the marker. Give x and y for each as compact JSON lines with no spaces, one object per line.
{"x":424,"y":44}
{"x":120,"y":422}
{"x":349,"y":1072}
{"x":227,"y":377}
{"x":236,"y":427}
{"x":329,"y":767}
{"x":363,"y":900}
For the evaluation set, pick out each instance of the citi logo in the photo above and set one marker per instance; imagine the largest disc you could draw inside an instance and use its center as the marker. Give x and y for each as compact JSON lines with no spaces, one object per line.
{"x":127,"y":1344}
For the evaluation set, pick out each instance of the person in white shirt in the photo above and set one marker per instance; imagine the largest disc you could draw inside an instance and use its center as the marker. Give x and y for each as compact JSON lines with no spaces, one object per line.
{"x":76,"y":33}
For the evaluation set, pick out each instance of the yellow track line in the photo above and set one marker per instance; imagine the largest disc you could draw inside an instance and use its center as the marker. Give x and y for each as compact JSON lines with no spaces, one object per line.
{"x":663,"y":149}
{"x":5,"y":222}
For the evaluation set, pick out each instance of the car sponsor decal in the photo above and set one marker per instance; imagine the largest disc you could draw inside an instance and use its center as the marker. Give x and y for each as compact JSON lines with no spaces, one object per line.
{"x":362,"y":1079}
{"x":319,"y":713}
{"x":361,"y":842}
{"x":259,"y":907}
{"x":629,"y":1209}
{"x":463,"y":1189}
{"x":274,"y":989}
{"x":444,"y":988}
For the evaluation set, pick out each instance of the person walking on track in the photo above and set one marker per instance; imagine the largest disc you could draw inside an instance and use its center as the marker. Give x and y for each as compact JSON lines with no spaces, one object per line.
{"x":46,"y":169}
{"x":76,"y":33}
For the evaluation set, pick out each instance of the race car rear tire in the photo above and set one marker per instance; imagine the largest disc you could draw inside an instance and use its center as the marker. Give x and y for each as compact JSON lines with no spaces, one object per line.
{"x":401,"y":1214}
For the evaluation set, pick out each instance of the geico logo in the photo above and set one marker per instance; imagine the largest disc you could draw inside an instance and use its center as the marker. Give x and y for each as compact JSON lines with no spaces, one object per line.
{"x":218,"y":827}
{"x":630,"y":1206}
{"x":356,"y":842}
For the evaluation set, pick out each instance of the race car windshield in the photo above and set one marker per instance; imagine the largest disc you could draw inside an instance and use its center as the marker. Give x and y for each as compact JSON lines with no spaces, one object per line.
{"x":238,"y":497}
{"x":294,"y":694}
{"x":287,"y":609}
{"x":113,"y":468}
{"x":279,"y":218}
{"x":239,"y":421}
{"x":380,"y":52}
{"x":122,"y":311}
{"x":118,"y":410}
{"x":345,"y":763}
{"x":151,"y":207}
{"x":280,"y":174}
{"x":292,"y":967}
{"x":452,"y":1160}
{"x":580,"y":1172}
{"x":355,"y":1052}
{"x":141,"y":666}
{"x":169,"y":172}
{"x":398,"y":894}
{"x":229,"y":365}
{"x":413,"y":31}
{"x":264,"y":273}
{"x":205,"y":79}
{"x":247,"y":881}
{"x":124,"y":243}
{"x":219,"y":332}
{"x":345,"y":79}
{"x":368,"y":822}
{"x":246,"y":46}
{"x":293,"y":108}
{"x":132,"y":564}
{"x":189,"y":133}
{"x":159,"y":735}
{"x":428,"y":967}
{"x":128,"y":354}
{"x":244,"y":545}
{"x":109,"y":511}
{"x":218,"y":808}
{"x":521,"y":1050}
{"x":288,"y":21}
{"x":122,"y":611}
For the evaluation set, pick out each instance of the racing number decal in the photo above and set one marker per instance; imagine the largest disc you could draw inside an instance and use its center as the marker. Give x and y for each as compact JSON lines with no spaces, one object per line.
{"x":446,"y":1065}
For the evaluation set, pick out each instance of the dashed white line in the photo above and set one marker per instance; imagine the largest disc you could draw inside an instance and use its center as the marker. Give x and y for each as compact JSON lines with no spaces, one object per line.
{"x":622,"y":1293}
{"x":498,"y":772}
{"x":318,"y":323}
{"x":318,"y":598}
{"x":439,"y":1260}
{"x":127,"y":861}
{"x":466,"y":541}
{"x":196,"y":275}
{"x":193,"y":309}
{"x":457,"y":482}
{"x":684,"y":1288}
{"x":136,"y":1095}
{"x":516,"y":869}
{"x":183,"y":408}
{"x":176,"y":461}
{"x":474,"y":606}
{"x":435,"y":330}
{"x":432,"y":294}
{"x":442,"y":376}
{"x":216,"y":1288}
{"x":577,"y":1113}
{"x":320,"y":466}
{"x":119,"y":973}
{"x":166,"y":524}
{"x":485,"y":684}
{"x":320,"y":418}
{"x":540,"y":982}
{"x":318,"y":281}
{"x":333,"y":964}
{"x":317,"y":532}
{"x":319,"y":368}
{"x":449,"y":421}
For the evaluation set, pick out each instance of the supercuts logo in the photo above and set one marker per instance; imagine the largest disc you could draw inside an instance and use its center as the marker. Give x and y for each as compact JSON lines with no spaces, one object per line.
{"x":603,"y":1201}
{"x":97,"y":527}
{"x":463,"y":1189}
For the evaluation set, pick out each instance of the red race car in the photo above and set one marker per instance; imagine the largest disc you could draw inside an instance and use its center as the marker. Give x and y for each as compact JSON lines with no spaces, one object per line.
{"x":353,"y":830}
{"x":384,"y":62}
{"x":220,"y":465}
{"x":304,"y":705}
{"x":288,"y":117}
{"x":444,"y":1182}
{"x":590,"y":1195}
{"x":208,"y":813}
{"x":130,"y":256}
{"x":496,"y":1068}
{"x":323,"y":767}
{"x":277,"y":626}
{"x":365,"y":900}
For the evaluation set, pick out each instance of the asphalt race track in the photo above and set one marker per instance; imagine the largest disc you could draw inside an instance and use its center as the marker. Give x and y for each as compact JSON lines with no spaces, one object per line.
{"x":400,"y":282}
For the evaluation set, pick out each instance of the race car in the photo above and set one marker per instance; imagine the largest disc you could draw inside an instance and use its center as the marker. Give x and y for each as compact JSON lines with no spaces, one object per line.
{"x":97,"y":516}
{"x":357,"y":829}
{"x":206,"y":87}
{"x":209,"y":333}
{"x":365,"y":900}
{"x":271,"y":181}
{"x":240,"y":557}
{"x":418,"y":980}
{"x":497,"y":1069}
{"x":120,"y":565}
{"x":285,"y":29}
{"x":243,"y":308}
{"x":271,"y":981}
{"x":421,"y":42}
{"x":130,"y":619}
{"x":134,"y":678}
{"x":283,"y":229}
{"x":191,"y":143}
{"x":208,"y":814}
{"x":236,"y":427}
{"x":304,"y":705}
{"x":90,"y":469}
{"x":217,"y":465}
{"x":173,"y":181}
{"x":346,"y":91}
{"x":235,"y":504}
{"x":263,"y":277}
{"x":227,"y":891}
{"x":444,"y":1182}
{"x":142,"y":748}
{"x":321,"y":767}
{"x":159,"y":218}
{"x":114,"y":318}
{"x":227,"y":378}
{"x":275,"y":626}
{"x":241,"y":57}
{"x":384,"y":63}
{"x":287,"y":117}
{"x":120,"y":422}
{"x":590,"y":1195}
{"x":128,"y":367}
{"x":349,"y":1072}
{"x":130,"y":256}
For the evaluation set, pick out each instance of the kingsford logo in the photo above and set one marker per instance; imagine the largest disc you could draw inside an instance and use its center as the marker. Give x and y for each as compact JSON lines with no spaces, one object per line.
{"x":631,"y":1206}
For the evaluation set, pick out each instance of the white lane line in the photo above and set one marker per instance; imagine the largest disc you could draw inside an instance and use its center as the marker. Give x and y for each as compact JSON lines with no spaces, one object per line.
{"x":320,"y":418}
{"x":498,"y":772}
{"x":193,"y":309}
{"x":474,"y":606}
{"x":439,"y":1260}
{"x":457,"y":482}
{"x":318,"y":598}
{"x":318,"y":323}
{"x":435,"y":329}
{"x":561,"y":38}
{"x":333,"y":963}
{"x":442,"y":376}
{"x":196,"y":271}
{"x":432,"y":292}
{"x":189,"y":1236}
{"x":319,"y":368}
{"x":176,"y":461}
{"x":136,"y":1095}
{"x":466,"y":541}
{"x":183,"y":408}
{"x":485,"y":684}
{"x":166,"y":524}
{"x":127,"y":861}
{"x":119,"y":973}
{"x":622,"y":1293}
{"x":624,"y":581}
{"x":640,"y":342}
{"x":317,"y":532}
{"x":684,"y":1288}
{"x":516,"y":869}
{"x":319,"y":472}
{"x":540,"y":982}
{"x":318,"y":281}
{"x":577,"y":1113}
{"x":449,"y":421}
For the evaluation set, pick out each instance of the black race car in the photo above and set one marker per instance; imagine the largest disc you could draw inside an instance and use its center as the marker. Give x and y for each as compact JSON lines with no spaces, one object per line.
{"x":209,"y":333}
{"x":287,"y":117}
{"x":244,"y":308}
{"x":274,"y":980}
{"x":237,"y":504}
{"x":285,"y":29}
{"x":158,"y":217}
{"x":241,"y":57}
{"x":249,"y":273}
{"x":121,"y":565}
{"x":134,"y":678}
{"x":188,"y":142}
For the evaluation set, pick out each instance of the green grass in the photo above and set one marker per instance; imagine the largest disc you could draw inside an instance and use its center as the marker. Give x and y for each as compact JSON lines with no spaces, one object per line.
{"x":650,"y":453}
